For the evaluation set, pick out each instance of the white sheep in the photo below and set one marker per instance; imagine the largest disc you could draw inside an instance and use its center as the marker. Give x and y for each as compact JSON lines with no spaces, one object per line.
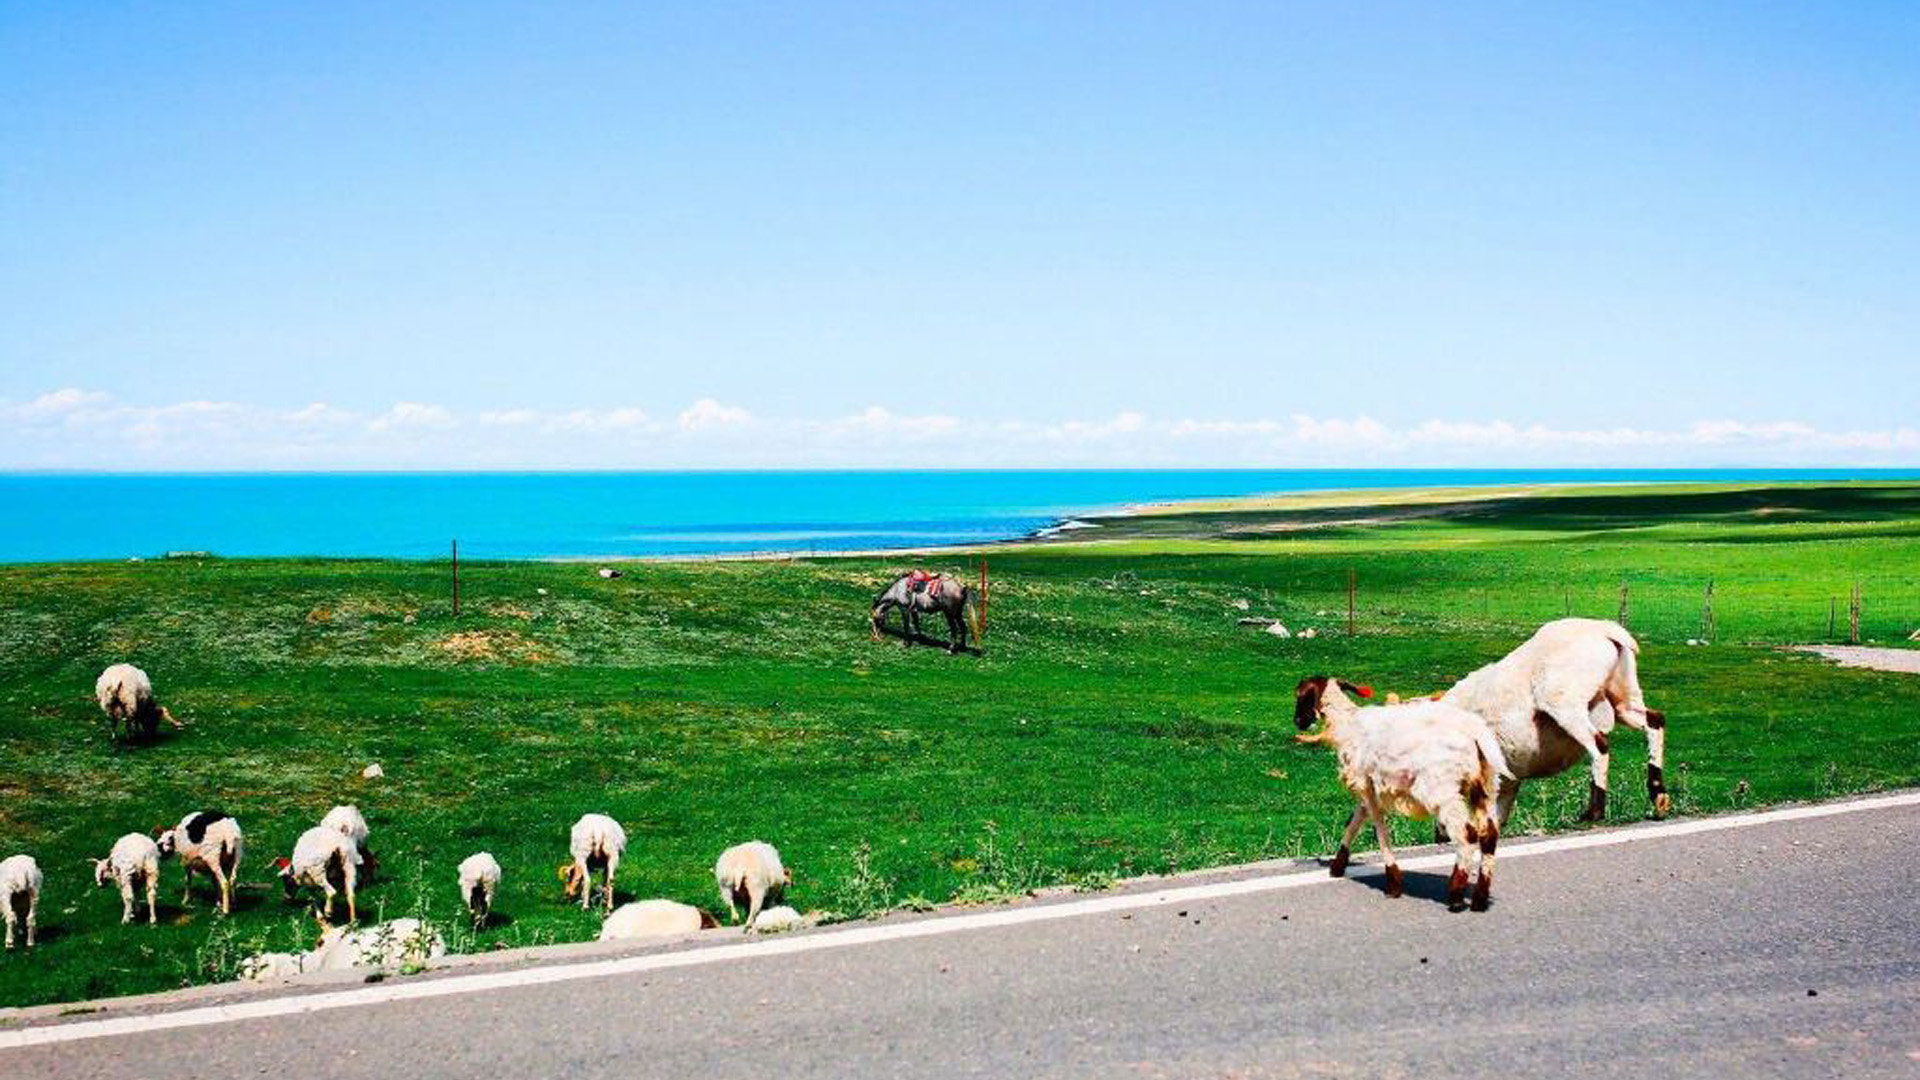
{"x":1420,"y":759}
{"x":133,"y":865}
{"x":775,"y":919}
{"x":348,"y":822}
{"x":750,"y":874}
{"x":596,"y":842}
{"x":395,"y":945}
{"x":20,"y":882}
{"x":323,"y":859}
{"x":125,"y":694}
{"x":1555,"y":698}
{"x":209,"y":842}
{"x":479,"y":878}
{"x":654,"y":918}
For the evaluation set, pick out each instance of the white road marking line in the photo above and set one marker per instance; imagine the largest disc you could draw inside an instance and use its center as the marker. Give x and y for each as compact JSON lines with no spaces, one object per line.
{"x":864,"y":935}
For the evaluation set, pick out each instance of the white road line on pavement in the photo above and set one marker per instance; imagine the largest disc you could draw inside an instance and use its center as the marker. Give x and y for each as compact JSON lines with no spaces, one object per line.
{"x":864,"y":935}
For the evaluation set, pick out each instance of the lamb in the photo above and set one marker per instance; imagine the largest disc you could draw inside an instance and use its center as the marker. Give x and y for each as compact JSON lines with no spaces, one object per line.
{"x":347,"y":821}
{"x":654,"y":918}
{"x":134,"y":865}
{"x":20,"y":881}
{"x":1421,"y":759}
{"x":125,"y":694}
{"x":323,"y":859}
{"x":750,"y":874}
{"x":210,"y":842}
{"x":596,"y":842}
{"x":1556,"y":697}
{"x":775,"y":919}
{"x":479,"y":877}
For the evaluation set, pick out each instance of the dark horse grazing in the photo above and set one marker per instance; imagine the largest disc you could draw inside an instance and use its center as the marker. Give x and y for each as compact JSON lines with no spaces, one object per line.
{"x":920,"y":592}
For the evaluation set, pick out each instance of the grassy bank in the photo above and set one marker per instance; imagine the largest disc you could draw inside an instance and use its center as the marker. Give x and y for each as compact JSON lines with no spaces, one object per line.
{"x":1119,"y":722}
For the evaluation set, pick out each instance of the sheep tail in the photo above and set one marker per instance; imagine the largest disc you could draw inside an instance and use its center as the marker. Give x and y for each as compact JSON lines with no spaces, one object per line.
{"x":1493,"y":764}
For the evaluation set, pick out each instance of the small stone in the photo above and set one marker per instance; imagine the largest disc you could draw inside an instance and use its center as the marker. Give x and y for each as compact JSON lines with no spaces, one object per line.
{"x":373,"y":772}
{"x":1278,"y":630}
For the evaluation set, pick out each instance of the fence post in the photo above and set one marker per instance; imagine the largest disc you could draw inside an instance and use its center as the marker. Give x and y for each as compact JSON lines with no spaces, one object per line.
{"x":1853,"y":617}
{"x":1352,"y":584}
{"x":1623,"y":603}
{"x":456,"y":579}
{"x":1833,"y":610}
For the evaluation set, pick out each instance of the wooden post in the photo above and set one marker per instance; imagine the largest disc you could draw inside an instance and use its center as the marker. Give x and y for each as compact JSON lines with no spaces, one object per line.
{"x":1623,"y":603}
{"x":1706,"y":614}
{"x":456,"y":579}
{"x":1853,"y":617}
{"x":1352,"y":585}
{"x":980,"y":632}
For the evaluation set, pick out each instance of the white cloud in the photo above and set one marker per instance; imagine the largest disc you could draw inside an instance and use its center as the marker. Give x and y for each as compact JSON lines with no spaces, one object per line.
{"x":78,"y":428}
{"x":707,"y":414}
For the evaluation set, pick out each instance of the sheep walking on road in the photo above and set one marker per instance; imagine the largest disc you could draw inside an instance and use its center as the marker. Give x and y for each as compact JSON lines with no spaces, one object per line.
{"x":125,"y":694}
{"x":749,"y":875}
{"x":1421,"y":759}
{"x":20,"y":881}
{"x":133,"y":865}
{"x":596,"y":842}
{"x":1554,"y":700}
{"x":208,"y":842}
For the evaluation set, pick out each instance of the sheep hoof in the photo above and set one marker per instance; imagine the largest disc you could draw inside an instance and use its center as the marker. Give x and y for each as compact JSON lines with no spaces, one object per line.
{"x":1396,"y":883}
{"x":1338,"y":867}
{"x":1481,"y":901}
{"x":1662,"y":806}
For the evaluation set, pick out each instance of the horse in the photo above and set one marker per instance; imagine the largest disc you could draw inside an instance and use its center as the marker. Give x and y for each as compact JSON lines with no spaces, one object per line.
{"x":919,"y":592}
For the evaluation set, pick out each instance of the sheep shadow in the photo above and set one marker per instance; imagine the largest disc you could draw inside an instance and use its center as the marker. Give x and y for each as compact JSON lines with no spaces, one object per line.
{"x":1415,"y":884}
{"x":929,"y":641}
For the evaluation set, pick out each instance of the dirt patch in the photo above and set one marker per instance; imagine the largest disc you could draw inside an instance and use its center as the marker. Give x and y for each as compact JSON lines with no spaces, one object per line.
{"x":1863,"y":656}
{"x":492,"y":647}
{"x":320,"y":616}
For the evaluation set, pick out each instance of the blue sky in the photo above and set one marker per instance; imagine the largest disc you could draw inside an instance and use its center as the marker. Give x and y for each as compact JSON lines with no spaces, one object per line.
{"x":236,"y":236}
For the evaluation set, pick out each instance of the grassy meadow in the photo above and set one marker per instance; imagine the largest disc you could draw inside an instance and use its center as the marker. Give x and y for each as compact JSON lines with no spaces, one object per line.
{"x":1118,"y":722}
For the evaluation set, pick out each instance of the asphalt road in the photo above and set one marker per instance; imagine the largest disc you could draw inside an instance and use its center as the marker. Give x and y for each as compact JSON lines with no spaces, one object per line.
{"x":1783,"y":949}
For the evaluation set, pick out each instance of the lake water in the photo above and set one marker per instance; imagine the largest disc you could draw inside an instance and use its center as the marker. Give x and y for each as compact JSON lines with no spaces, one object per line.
{"x":58,"y":516}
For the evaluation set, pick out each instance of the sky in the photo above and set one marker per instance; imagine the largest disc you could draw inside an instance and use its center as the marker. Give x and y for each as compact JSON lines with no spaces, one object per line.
{"x":480,"y":235}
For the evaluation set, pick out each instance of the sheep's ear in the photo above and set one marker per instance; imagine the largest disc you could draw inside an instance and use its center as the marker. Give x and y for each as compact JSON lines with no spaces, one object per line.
{"x":1306,"y":700}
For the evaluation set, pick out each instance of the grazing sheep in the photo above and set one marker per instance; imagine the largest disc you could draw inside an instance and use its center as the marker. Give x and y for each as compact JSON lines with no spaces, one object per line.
{"x":207,"y":841}
{"x":1555,"y":698}
{"x":125,"y":694}
{"x":597,"y":842}
{"x":479,"y":877}
{"x":134,"y":865}
{"x":654,"y":918}
{"x":750,"y":874}
{"x":1421,"y":759}
{"x":348,"y":822}
{"x":323,"y":859}
{"x":20,"y":882}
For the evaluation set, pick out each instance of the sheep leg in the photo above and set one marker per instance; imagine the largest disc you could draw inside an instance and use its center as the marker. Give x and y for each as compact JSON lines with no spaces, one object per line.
{"x":353,"y":912}
{"x":1338,"y":868}
{"x":1576,"y":722}
{"x":756,"y":896}
{"x":153,"y":898}
{"x":1396,"y":884}
{"x":226,"y":891}
{"x":1503,"y":804}
{"x":33,"y":912}
{"x":1483,"y":887}
{"x":126,"y":901}
{"x":10,"y":921}
{"x":613,"y":863}
{"x":1654,"y":723}
{"x":1456,"y":823}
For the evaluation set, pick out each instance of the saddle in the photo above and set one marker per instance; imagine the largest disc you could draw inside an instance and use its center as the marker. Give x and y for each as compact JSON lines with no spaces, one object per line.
{"x":919,"y":580}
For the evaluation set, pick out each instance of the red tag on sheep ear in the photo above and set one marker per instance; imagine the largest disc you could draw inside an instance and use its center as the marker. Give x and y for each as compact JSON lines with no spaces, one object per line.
{"x":281,"y":864}
{"x":1364,"y":691}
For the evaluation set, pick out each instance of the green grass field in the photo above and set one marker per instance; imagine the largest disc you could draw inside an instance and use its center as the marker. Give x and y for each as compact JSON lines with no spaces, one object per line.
{"x":1118,"y":723}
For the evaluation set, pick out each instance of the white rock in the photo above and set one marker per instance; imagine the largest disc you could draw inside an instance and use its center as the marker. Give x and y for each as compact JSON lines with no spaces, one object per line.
{"x":1243,"y":604}
{"x":1309,"y":632}
{"x":542,"y":592}
{"x":373,"y":772}
{"x":609,"y":572}
{"x":1278,"y":631}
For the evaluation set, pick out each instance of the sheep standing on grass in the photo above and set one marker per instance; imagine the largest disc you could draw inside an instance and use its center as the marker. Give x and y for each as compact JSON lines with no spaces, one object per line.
{"x":209,"y":842}
{"x":125,"y":694}
{"x":596,"y":842}
{"x":20,"y":881}
{"x":750,"y":874}
{"x":323,"y":859}
{"x":1421,"y":759}
{"x":348,"y":822}
{"x":479,"y":878}
{"x":133,"y":865}
{"x":1555,"y":698}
